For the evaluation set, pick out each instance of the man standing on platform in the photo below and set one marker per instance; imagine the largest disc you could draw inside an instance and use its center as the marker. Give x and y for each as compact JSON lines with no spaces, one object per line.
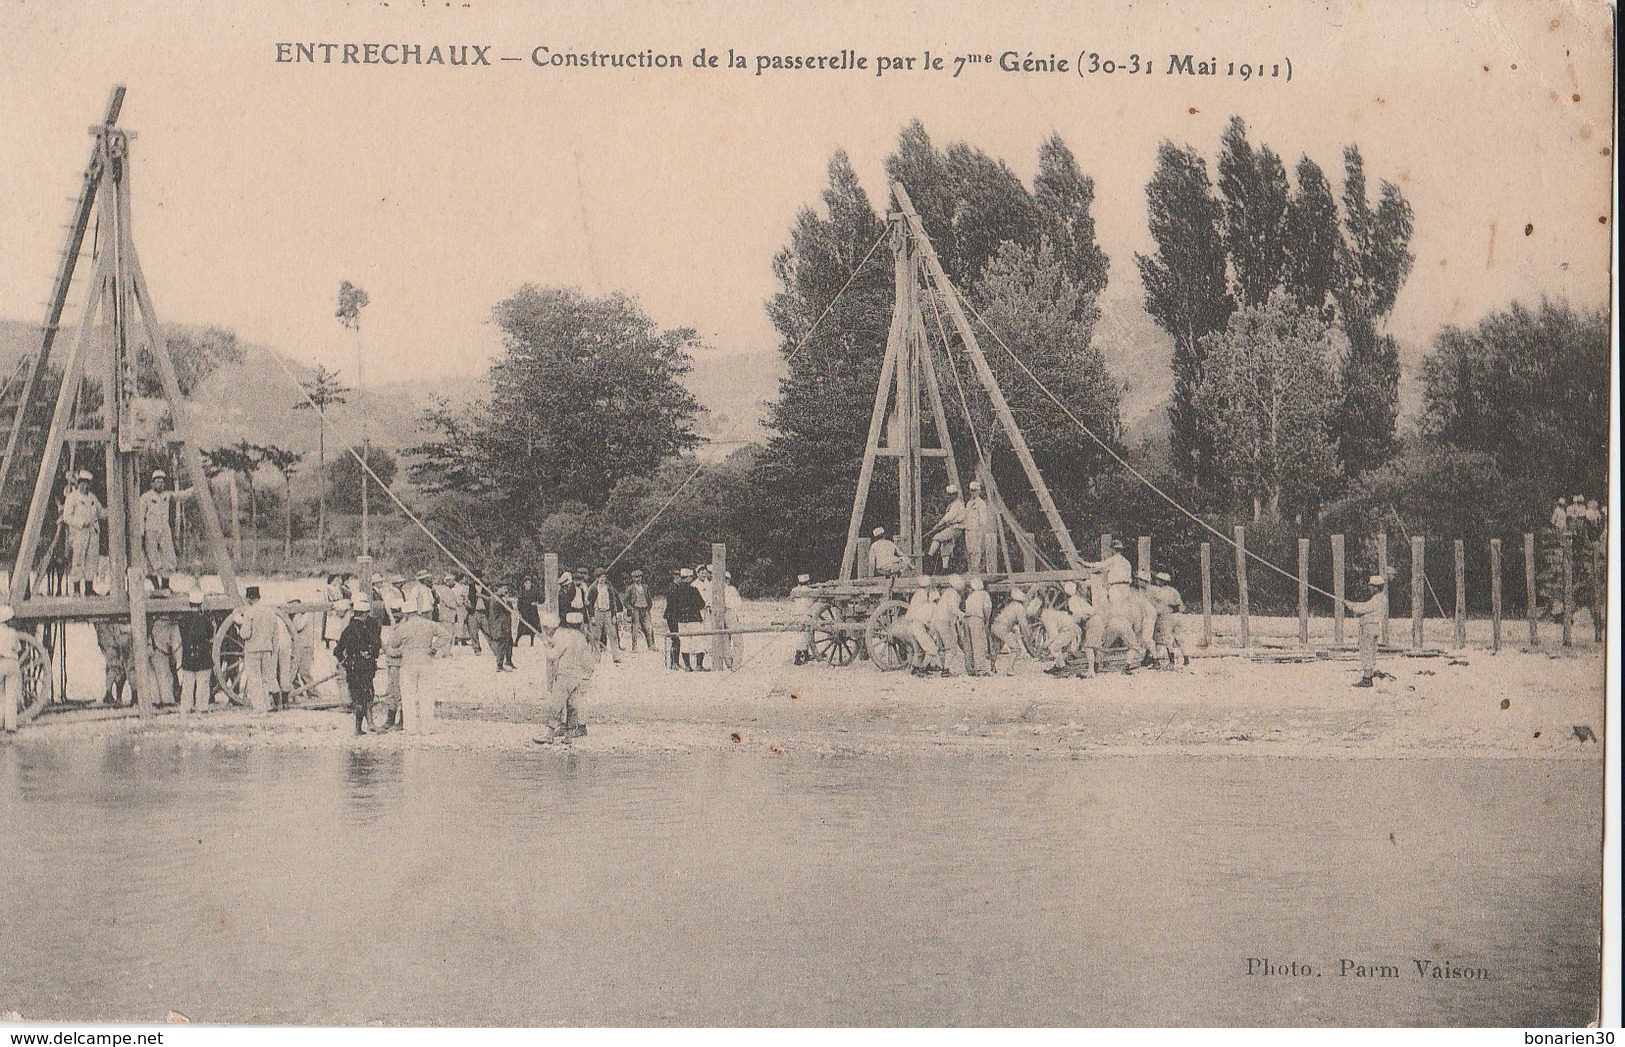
{"x":981,"y":533}
{"x":258,"y":625}
{"x":82,"y":514}
{"x":1119,"y":575}
{"x":946,"y":533}
{"x":157,"y":540}
{"x":1373,"y":611}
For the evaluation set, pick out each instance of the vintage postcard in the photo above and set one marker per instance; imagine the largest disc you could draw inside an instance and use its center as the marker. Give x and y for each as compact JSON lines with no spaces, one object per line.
{"x":807,"y":514}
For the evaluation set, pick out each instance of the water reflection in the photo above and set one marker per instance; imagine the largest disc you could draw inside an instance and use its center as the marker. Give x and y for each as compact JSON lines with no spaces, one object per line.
{"x":346,"y":886}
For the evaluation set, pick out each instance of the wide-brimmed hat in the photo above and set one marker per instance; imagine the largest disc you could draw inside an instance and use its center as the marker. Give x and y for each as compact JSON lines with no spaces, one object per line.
{"x":878,"y":532}
{"x":1378,"y":579}
{"x":685,"y":572}
{"x":84,"y":474}
{"x":1163,"y":576}
{"x":159,"y":474}
{"x":195,"y":597}
{"x":975,"y":485}
{"x":1117,"y":543}
{"x":803,"y":579}
{"x":565,"y":578}
{"x":952,"y":489}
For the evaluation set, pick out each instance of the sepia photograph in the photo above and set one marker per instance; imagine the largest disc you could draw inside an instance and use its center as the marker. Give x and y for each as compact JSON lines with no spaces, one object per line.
{"x":662,"y":515}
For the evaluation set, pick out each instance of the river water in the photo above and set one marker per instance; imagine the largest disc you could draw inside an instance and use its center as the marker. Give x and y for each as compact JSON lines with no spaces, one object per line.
{"x":439,"y":887}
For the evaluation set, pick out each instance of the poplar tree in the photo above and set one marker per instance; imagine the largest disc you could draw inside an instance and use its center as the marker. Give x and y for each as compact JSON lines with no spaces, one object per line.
{"x":1253,"y":188}
{"x":1185,"y":287}
{"x":1312,"y":239}
{"x":1374,"y":259}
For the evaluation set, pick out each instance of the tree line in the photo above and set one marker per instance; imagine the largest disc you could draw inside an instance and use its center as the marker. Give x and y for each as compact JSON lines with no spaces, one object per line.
{"x":1274,"y":291}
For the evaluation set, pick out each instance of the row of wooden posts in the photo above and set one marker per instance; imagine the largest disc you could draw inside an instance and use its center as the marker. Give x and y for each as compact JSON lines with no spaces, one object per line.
{"x":1418,"y":582}
{"x":1339,"y":574}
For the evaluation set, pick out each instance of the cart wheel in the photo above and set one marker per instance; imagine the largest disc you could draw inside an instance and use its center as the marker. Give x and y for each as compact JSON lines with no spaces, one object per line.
{"x":1051,"y":594}
{"x":832,"y":644}
{"x":228,"y":663}
{"x":887,"y":652}
{"x":1036,"y":640}
{"x":38,"y":688}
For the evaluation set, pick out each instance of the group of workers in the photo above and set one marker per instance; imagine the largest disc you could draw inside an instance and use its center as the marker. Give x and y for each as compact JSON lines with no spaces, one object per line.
{"x":80,"y":520}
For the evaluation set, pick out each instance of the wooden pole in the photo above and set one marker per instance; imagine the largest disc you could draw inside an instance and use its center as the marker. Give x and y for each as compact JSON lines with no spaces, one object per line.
{"x":990,"y":385}
{"x":1339,"y":588}
{"x":1418,"y":589}
{"x":1495,"y":594}
{"x":1529,"y":588}
{"x":1568,"y":588}
{"x":1097,"y":582}
{"x":877,"y":419}
{"x":719,"y":603}
{"x":1241,"y":582}
{"x":1207,"y":594}
{"x":550,"y":604}
{"x":864,"y":567}
{"x":1382,"y":569}
{"x":1144,"y":554}
{"x":1303,"y":591}
{"x":1461,"y":594}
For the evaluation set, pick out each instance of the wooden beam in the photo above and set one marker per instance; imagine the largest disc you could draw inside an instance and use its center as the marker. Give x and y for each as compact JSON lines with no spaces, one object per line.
{"x":1207,"y":594}
{"x":550,"y":604}
{"x":866,"y":474}
{"x":1339,"y":588}
{"x":1382,"y":569}
{"x":1303,"y":591}
{"x":1461,"y":594}
{"x":191,"y":457}
{"x":1566,"y":545}
{"x":1241,"y":581}
{"x":1142,"y":554}
{"x":1495,"y":594}
{"x":990,"y":384}
{"x":719,"y":604}
{"x":1530,"y":593}
{"x":22,"y":570}
{"x":1419,"y":581}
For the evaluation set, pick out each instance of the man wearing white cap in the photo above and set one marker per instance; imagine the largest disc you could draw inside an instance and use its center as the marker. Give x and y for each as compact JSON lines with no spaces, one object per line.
{"x":357,"y":654}
{"x":913,"y":627}
{"x":1170,"y":604}
{"x":981,"y":532}
{"x":947,"y":617}
{"x":1119,"y":574}
{"x":82,"y":514}
{"x":1372,"y":612}
{"x":946,"y":531}
{"x":978,"y":613}
{"x":573,"y":661}
{"x":258,"y":624}
{"x":157,"y":540}
{"x":803,"y":609}
{"x":1010,"y":628}
{"x":886,"y":560}
{"x":418,"y":598}
{"x":11,"y":673}
{"x":415,"y":643}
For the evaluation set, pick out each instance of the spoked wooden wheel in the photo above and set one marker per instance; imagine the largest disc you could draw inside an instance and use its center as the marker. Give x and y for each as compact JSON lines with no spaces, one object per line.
{"x":1050,"y":594}
{"x":886,"y":651}
{"x":1036,"y":639}
{"x":833,"y":644}
{"x":38,"y":687}
{"x":228,"y":662}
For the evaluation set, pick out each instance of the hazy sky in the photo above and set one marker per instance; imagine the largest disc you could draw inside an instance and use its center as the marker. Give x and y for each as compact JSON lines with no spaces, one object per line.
{"x":260,"y":185}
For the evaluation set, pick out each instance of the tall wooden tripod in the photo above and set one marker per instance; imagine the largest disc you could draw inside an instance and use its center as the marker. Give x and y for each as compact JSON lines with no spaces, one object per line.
{"x":909,"y":389}
{"x":100,"y":414}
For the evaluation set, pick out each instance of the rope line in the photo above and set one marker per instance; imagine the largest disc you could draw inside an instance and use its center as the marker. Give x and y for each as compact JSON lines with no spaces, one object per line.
{"x":700,"y":467}
{"x":406,"y":510}
{"x":1104,"y":446}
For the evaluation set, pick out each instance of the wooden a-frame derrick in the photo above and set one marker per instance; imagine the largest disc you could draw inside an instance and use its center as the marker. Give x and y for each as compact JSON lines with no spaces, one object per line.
{"x":909,"y":388}
{"x":118,"y":324}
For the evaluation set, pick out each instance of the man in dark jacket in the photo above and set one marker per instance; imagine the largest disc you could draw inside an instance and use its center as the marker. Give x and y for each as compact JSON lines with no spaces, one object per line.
{"x":499,"y":627}
{"x":685,"y":611}
{"x":357,"y":654}
{"x":603,"y":613}
{"x":197,"y":655}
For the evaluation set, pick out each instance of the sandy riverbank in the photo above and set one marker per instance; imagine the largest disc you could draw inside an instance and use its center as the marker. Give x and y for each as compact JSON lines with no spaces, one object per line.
{"x":1512,"y":704}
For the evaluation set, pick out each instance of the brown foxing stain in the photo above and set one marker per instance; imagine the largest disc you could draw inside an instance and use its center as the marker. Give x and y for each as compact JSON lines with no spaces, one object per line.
{"x":734,"y":737}
{"x":1537,"y":734}
{"x":1586,"y":131}
{"x":1529,"y":229}
{"x":1506,"y":703}
{"x":1489,"y":260}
